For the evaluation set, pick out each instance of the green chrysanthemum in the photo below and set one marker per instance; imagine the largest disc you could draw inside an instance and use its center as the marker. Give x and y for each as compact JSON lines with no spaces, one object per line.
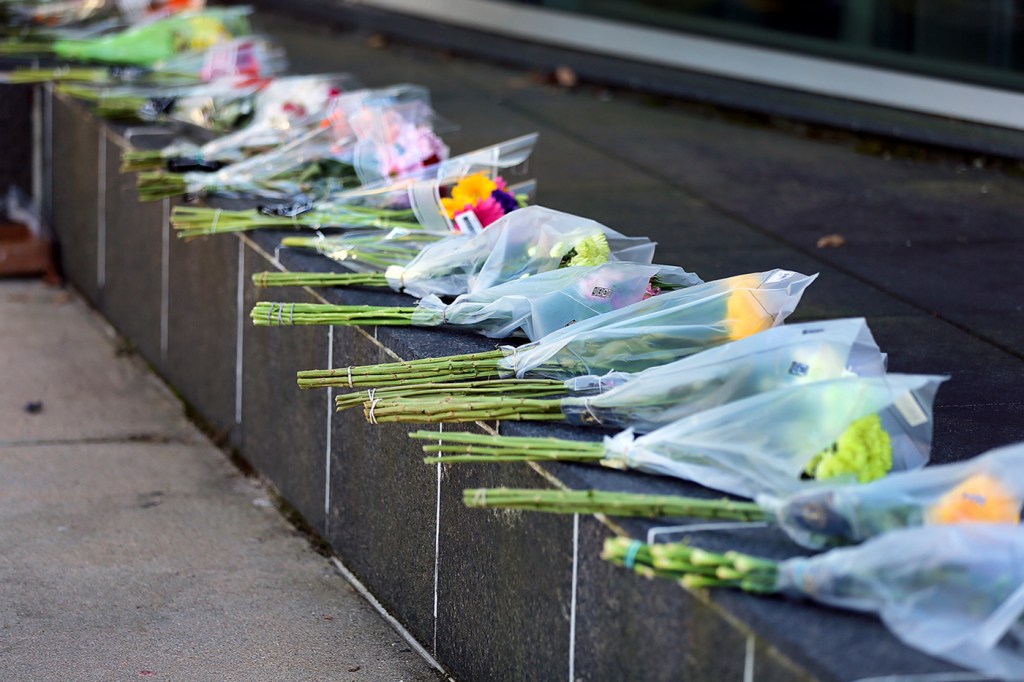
{"x":592,"y":250}
{"x":864,"y":449}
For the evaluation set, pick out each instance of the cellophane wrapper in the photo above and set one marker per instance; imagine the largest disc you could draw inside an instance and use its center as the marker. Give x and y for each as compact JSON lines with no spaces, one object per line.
{"x":983,"y":489}
{"x":525,"y":242}
{"x":284,"y":109}
{"x":263,"y":174}
{"x":217,"y":105}
{"x":763,"y":443}
{"x":661,"y":329}
{"x":420,"y":190}
{"x":784,"y":356}
{"x":149,"y":43}
{"x":543,"y":303}
{"x":955,"y":592}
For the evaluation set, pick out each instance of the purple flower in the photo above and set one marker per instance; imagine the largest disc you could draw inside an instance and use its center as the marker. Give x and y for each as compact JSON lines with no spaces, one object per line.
{"x":507,"y":202}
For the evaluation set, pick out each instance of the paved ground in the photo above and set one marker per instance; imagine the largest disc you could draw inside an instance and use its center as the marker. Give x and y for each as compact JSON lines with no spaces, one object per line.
{"x":130,"y":547}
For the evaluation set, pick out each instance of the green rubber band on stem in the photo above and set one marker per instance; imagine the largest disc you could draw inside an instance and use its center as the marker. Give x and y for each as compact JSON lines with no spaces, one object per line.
{"x":629,"y":561}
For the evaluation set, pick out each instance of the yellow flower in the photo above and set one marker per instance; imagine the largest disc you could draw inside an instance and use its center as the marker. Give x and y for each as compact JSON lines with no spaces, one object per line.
{"x":980,"y":499}
{"x":471,"y":190}
{"x":450,"y":206}
{"x":744,"y":314}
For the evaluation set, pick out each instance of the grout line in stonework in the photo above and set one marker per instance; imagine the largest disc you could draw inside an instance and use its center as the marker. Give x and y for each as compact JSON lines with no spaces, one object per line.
{"x":239,"y":332}
{"x":748,"y":661}
{"x":48,"y":153}
{"x":330,"y":424}
{"x":101,"y":211}
{"x":165,"y":276}
{"x":37,"y":148}
{"x":572,"y":605}
{"x":437,"y":540}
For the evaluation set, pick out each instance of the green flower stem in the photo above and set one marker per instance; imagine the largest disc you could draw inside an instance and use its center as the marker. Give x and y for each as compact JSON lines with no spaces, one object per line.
{"x":696,"y":568}
{"x":192,"y":221}
{"x":427,"y":370}
{"x":135,"y":160}
{"x":120,"y":107}
{"x":472,"y":447}
{"x":61,"y":74}
{"x":158,"y":185}
{"x":268,"y":314}
{"x":319,"y":279}
{"x":465,"y":408}
{"x":504,"y":387}
{"x":16,"y":47}
{"x":612,"y":503}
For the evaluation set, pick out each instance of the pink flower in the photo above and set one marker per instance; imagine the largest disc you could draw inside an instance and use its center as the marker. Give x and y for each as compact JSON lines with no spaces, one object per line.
{"x":500,"y":182}
{"x":488,"y":211}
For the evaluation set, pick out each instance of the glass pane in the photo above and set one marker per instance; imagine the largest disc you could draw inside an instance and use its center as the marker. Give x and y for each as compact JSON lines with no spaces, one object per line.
{"x":977,"y":41}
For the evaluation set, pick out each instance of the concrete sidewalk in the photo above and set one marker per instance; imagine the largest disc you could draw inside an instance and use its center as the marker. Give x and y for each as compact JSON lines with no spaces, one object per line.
{"x":130,"y":547}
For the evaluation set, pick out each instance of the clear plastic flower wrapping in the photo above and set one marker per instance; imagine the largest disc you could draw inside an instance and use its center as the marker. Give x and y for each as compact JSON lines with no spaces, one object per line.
{"x":526,"y":242}
{"x":285,"y":108}
{"x":336,"y":141}
{"x":663,"y":328}
{"x":783,"y":356}
{"x":988,"y":488}
{"x":544,"y":303}
{"x":764,"y":443}
{"x":955,"y":592}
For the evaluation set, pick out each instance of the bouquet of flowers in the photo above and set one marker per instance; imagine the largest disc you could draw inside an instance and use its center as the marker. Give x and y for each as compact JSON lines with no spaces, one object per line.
{"x":956,"y":592}
{"x":281,"y":110}
{"x":218,"y":106}
{"x":985,"y":489}
{"x":654,"y":331}
{"x":147,"y":43}
{"x":647,"y":400}
{"x":67,"y":18}
{"x":855,"y":427}
{"x":251,"y":56}
{"x":412,"y":202}
{"x":522,"y":243}
{"x":358,"y":141}
{"x":537,"y":305}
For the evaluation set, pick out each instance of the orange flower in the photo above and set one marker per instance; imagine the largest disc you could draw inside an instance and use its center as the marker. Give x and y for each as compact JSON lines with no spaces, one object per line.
{"x":980,"y":499}
{"x":744,"y":314}
{"x":469,"y":191}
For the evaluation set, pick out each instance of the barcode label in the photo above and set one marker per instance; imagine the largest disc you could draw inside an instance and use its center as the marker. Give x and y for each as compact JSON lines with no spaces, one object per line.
{"x":799,"y":369}
{"x":468,"y":223}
